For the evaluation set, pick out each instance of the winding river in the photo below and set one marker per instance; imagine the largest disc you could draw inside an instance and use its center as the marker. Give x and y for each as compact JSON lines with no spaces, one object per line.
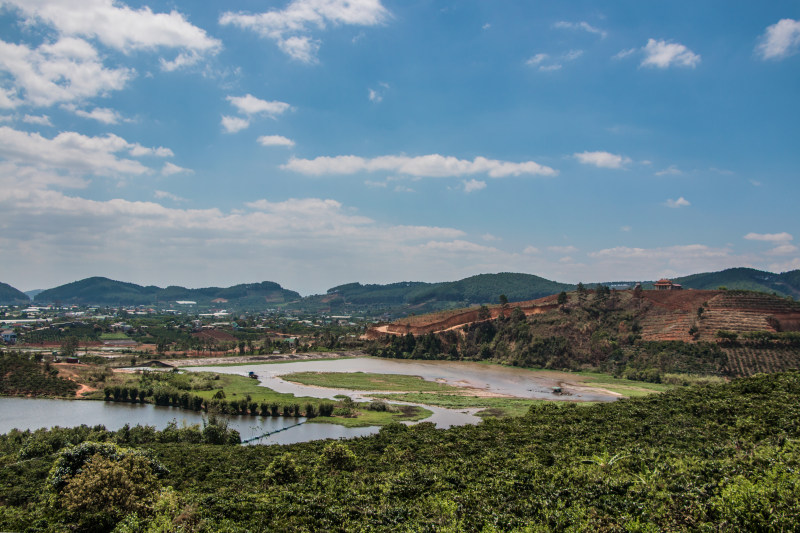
{"x":25,"y":413}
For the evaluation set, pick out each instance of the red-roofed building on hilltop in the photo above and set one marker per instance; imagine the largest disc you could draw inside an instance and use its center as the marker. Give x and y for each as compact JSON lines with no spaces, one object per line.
{"x":666,"y":285}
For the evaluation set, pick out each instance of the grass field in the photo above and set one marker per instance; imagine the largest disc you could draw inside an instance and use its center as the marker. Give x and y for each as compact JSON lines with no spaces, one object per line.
{"x":368,"y":382}
{"x":113,"y":336}
{"x":492,"y":406}
{"x":378,"y":418}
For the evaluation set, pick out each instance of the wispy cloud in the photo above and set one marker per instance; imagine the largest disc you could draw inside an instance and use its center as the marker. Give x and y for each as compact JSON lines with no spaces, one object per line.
{"x":170,"y":169}
{"x":582,"y":25}
{"x":474,"y":185}
{"x":275,"y":140}
{"x":39,"y":120}
{"x":769,"y":237}
{"x":118,"y":26}
{"x":250,"y":105}
{"x":292,"y":27}
{"x":664,"y":54}
{"x":233,"y":124}
{"x":73,"y":152}
{"x":602,"y":159}
{"x":68,"y":70}
{"x":676,"y":204}
{"x":780,"y":40}
{"x":427,"y":166}
{"x":671,"y":170}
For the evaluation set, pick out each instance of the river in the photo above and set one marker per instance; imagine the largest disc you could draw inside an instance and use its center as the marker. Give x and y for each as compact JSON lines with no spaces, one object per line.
{"x":26,"y":413}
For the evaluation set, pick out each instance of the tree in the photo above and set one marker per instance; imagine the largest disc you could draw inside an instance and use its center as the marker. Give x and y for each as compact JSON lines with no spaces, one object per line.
{"x":581,"y":290}
{"x":562,"y":298}
{"x":484,"y":313}
{"x":69,"y":346}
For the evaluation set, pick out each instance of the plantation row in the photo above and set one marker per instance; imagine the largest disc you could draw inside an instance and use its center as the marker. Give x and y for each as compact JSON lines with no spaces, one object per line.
{"x":23,"y":377}
{"x":713,"y":458}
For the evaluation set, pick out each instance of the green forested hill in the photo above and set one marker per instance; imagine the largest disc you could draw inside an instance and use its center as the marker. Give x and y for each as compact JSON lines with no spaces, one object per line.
{"x":104,"y":291}
{"x":785,"y":284}
{"x":483,"y":288}
{"x":486,"y":288}
{"x":11,"y":296}
{"x":713,"y":458}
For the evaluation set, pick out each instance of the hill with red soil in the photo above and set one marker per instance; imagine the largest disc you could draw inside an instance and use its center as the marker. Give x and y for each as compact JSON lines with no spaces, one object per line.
{"x":742,"y":332}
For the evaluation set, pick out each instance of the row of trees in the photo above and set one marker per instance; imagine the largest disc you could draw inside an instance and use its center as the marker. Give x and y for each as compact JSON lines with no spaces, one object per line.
{"x":166,"y":396}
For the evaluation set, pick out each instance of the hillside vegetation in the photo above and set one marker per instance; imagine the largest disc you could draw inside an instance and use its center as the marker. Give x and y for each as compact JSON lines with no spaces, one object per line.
{"x":713,"y":458}
{"x":642,"y":335}
{"x":104,"y":291}
{"x":11,"y":296}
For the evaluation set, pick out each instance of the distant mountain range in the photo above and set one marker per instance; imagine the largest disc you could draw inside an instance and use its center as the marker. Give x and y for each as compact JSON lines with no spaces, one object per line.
{"x":104,"y":291}
{"x":402,"y":297}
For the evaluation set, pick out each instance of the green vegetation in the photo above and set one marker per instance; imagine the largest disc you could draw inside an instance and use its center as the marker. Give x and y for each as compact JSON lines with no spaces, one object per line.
{"x":104,"y":291}
{"x":491,"y":406}
{"x":700,"y":458}
{"x":597,"y":330}
{"x":368,"y":382}
{"x":750,"y":279}
{"x":22,"y":376}
{"x":238,"y":395}
{"x":11,"y":296}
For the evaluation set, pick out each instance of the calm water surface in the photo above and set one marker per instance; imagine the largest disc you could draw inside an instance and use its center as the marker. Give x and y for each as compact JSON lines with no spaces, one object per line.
{"x":25,"y":413}
{"x":31,"y":413}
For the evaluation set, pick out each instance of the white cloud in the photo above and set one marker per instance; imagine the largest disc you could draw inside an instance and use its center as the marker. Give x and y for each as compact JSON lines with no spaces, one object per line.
{"x":137,"y":150}
{"x":234,"y":124}
{"x":663,"y":54}
{"x":780,"y":40}
{"x":376,"y":95}
{"x":376,"y":184}
{"x":291,"y":28}
{"x":675,"y":204}
{"x":100,"y":114}
{"x":572,"y":55}
{"x":548,"y":63}
{"x":403,"y":188}
{"x":73,"y":152}
{"x":275,"y":140}
{"x":530,"y":250}
{"x":40,"y":120}
{"x":164,"y":194}
{"x":583,"y":25}
{"x":672,"y":170}
{"x":536,"y":60}
{"x":459,"y":246}
{"x":68,"y":70}
{"x":625,"y":228}
{"x":474,"y":185}
{"x":430,"y":166}
{"x":624,"y":262}
{"x":118,"y":26}
{"x":786,"y":266}
{"x":769,"y":237}
{"x":602,"y":159}
{"x":622,"y":54}
{"x":784,"y":249}
{"x":170,"y":169}
{"x":250,"y":105}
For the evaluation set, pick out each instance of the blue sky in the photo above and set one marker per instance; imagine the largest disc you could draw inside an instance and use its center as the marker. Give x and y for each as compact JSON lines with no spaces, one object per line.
{"x":320,"y":142}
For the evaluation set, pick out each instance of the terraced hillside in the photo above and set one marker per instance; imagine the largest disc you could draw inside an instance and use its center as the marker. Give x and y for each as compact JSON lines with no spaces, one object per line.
{"x":635,"y":330}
